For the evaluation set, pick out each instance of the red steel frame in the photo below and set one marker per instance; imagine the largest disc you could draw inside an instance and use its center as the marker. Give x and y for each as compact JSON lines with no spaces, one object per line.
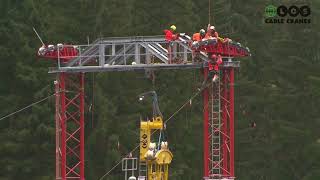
{"x":206,"y":140}
{"x":70,"y":114}
{"x":227,"y":124}
{"x":70,"y":126}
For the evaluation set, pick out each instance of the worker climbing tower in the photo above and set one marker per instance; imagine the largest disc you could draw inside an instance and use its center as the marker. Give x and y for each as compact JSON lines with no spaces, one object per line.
{"x":219,"y":127}
{"x":214,"y":128}
{"x":218,"y":113}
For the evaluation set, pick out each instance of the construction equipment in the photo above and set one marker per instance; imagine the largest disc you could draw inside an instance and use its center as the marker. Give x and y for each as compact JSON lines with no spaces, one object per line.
{"x":155,"y":158}
{"x":142,"y":54}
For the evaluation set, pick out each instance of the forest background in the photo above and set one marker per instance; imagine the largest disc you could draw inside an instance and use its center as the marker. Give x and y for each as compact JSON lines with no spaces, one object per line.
{"x":278,"y":87}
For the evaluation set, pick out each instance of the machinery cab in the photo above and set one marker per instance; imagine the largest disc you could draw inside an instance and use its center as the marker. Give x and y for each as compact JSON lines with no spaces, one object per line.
{"x":60,"y":52}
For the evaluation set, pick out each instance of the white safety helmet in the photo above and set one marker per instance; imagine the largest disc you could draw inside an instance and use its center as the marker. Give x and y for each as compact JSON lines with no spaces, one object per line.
{"x":132,"y":178}
{"x":212,"y":28}
{"x":50,"y":47}
{"x":42,"y":51}
{"x":202,"y":31}
{"x":59,"y":46}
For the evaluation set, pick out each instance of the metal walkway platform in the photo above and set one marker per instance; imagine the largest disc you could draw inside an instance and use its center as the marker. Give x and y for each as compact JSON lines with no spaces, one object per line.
{"x":132,"y":54}
{"x":138,"y":67}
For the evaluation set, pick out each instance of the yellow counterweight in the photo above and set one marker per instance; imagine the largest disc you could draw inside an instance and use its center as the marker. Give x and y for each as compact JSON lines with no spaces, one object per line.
{"x":162,"y":161}
{"x":145,"y":133}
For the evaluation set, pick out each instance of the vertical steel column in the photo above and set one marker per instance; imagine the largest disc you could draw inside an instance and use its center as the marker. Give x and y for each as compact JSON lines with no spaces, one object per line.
{"x":124,"y":54}
{"x":63,"y":124}
{"x":71,"y":115}
{"x":225,"y":139}
{"x":169,"y":53}
{"x":101,"y":54}
{"x":148,"y":56}
{"x":231,"y":121}
{"x":58,"y":130}
{"x":174,"y":51}
{"x":137,"y":53}
{"x":185,"y":54}
{"x":113,"y":50}
{"x":81,"y":109}
{"x":205,"y":94}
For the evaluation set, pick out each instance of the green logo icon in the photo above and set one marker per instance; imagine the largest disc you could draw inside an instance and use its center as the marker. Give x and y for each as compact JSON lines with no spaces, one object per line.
{"x":271,"y":11}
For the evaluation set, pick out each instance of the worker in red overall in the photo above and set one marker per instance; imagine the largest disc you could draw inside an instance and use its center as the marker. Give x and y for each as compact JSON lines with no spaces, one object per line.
{"x":213,"y":67}
{"x":170,"y":36}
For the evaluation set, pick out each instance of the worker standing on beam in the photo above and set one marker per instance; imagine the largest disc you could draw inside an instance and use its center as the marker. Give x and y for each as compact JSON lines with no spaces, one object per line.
{"x":199,"y":36}
{"x":211,"y":32}
{"x":196,"y":38}
{"x":170,"y":36}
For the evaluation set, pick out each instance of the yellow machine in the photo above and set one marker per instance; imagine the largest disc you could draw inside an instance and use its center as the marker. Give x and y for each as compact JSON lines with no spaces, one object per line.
{"x":157,"y":158}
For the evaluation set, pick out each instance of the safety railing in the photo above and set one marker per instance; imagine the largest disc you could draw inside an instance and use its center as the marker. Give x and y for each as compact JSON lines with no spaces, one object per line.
{"x":142,"y":50}
{"x":128,"y":53}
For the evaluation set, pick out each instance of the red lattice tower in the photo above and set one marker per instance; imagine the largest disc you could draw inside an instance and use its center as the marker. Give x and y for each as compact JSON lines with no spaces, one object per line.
{"x":218,"y":134}
{"x":70,"y":126}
